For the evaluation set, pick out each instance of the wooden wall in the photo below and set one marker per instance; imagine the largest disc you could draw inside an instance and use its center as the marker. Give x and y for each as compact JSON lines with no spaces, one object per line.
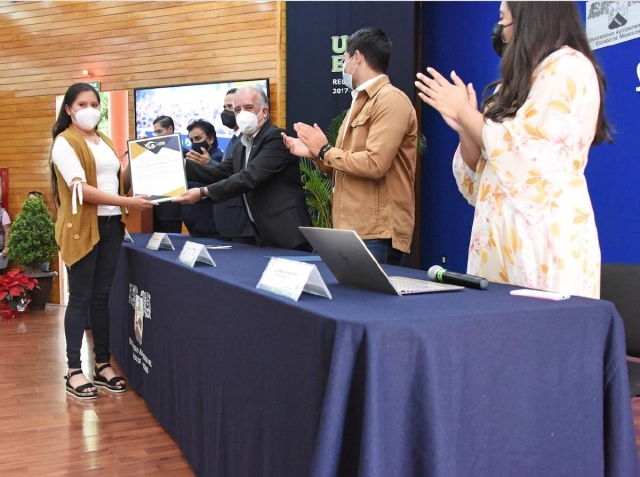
{"x":44,"y":46}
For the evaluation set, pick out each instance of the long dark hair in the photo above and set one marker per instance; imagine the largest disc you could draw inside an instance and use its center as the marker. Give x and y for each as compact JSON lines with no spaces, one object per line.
{"x":540,"y":28}
{"x":64,"y":121}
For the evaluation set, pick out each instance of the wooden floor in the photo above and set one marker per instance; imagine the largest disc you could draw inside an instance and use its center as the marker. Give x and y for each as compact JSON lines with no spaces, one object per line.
{"x":44,"y":432}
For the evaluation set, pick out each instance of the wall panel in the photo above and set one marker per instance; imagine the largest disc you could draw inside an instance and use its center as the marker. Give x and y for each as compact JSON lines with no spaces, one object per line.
{"x":44,"y":46}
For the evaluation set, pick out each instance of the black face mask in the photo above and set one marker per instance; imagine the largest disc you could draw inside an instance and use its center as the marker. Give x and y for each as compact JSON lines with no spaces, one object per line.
{"x":198,"y":146}
{"x":496,"y":38}
{"x":228,"y":119}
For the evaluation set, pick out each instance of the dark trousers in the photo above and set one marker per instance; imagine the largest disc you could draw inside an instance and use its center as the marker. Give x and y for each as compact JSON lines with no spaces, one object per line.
{"x":167,"y":226}
{"x":90,"y":281}
{"x":383,"y":252}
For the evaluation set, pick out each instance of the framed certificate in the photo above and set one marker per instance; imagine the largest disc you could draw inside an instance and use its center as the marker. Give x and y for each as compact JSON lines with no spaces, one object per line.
{"x":157,"y":167}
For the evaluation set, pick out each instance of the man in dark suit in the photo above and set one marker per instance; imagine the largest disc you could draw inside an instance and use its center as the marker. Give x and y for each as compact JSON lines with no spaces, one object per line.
{"x":263,"y":172}
{"x":230,"y":216}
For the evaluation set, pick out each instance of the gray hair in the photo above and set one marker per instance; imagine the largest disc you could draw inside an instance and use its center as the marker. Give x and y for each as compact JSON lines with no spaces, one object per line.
{"x":262,"y":97}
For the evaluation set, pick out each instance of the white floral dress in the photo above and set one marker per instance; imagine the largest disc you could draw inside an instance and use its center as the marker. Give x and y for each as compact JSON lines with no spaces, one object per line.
{"x":533,"y":225}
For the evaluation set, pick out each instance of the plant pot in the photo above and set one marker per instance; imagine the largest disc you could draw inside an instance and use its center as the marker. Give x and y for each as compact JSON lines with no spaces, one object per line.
{"x":6,"y":312}
{"x":43,"y":267}
{"x":40,"y":296}
{"x":23,"y":303}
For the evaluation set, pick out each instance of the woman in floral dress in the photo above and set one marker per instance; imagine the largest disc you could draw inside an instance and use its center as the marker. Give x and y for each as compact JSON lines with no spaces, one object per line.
{"x":521,"y":163}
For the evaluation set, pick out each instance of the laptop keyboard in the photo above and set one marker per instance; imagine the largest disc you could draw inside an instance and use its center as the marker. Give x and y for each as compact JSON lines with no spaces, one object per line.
{"x":409,"y":285}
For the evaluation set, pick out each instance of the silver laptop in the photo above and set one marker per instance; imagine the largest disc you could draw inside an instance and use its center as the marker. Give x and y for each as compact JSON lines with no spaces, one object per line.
{"x":348,"y":258}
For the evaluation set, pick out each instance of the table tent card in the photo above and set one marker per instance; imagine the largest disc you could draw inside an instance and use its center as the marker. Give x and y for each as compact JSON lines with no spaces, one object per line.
{"x":193,"y":252}
{"x":289,"y":278}
{"x":127,"y":236}
{"x":160,"y":240}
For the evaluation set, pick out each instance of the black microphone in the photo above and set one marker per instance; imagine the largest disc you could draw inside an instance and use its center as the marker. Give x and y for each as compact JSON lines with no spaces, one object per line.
{"x":442,"y":275}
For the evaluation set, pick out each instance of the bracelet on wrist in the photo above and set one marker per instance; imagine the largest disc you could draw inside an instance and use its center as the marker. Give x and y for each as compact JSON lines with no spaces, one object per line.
{"x":323,"y":151}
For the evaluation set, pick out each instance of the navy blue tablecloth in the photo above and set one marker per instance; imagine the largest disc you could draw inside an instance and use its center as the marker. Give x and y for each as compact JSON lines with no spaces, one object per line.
{"x":472,"y":383}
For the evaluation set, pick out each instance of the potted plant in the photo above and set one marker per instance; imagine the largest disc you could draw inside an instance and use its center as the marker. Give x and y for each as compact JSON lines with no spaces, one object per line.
{"x":32,"y":243}
{"x":15,"y":290}
{"x":317,"y":184}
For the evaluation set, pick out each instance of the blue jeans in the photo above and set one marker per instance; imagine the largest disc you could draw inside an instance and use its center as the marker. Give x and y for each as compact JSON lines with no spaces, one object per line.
{"x":90,"y":281}
{"x":383,"y":252}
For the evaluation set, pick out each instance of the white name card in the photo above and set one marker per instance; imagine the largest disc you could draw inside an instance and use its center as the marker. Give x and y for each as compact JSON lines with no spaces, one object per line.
{"x":195,"y":252}
{"x":127,"y":237}
{"x":289,"y":279}
{"x":159,"y":240}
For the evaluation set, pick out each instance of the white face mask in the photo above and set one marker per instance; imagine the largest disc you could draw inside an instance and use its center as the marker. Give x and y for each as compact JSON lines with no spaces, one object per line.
{"x":247,"y":122}
{"x":347,"y":78}
{"x":87,"y":118}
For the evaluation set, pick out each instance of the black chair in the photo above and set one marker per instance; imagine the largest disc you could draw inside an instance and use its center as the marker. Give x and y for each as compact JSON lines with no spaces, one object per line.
{"x":620,"y":284}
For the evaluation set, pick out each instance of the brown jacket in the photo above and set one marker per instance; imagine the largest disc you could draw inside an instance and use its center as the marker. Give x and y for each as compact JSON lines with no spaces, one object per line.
{"x":374,"y":167}
{"x":77,"y":234}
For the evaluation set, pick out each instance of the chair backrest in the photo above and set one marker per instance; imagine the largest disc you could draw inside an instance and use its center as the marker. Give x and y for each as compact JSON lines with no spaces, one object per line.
{"x":621,"y":285}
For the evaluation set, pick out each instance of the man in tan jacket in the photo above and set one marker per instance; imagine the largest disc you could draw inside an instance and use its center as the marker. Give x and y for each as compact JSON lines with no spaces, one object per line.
{"x":374,"y":160}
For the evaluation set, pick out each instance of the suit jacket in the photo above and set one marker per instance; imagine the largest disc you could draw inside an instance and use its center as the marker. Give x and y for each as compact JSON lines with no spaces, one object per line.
{"x":230,"y":215}
{"x":270,"y":182}
{"x":198,"y":217}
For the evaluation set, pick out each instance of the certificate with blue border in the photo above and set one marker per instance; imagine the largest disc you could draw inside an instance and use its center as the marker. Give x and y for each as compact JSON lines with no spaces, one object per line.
{"x":157,"y":167}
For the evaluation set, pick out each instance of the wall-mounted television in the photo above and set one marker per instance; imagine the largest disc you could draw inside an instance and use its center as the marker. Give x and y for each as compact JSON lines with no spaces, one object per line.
{"x":186,"y":103}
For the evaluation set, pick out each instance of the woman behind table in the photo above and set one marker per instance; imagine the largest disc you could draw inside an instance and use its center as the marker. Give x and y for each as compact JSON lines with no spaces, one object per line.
{"x":522,"y":162}
{"x":199,"y":218}
{"x":89,"y":184}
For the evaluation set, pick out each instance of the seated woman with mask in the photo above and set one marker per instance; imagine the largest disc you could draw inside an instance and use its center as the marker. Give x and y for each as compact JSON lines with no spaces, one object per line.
{"x":198,"y":217}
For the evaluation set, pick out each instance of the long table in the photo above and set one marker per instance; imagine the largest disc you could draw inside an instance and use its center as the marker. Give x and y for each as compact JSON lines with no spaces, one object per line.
{"x":471,"y":383}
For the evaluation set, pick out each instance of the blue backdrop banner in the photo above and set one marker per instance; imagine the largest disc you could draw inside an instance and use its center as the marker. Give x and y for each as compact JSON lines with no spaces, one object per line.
{"x":612,"y":172}
{"x":316,"y":39}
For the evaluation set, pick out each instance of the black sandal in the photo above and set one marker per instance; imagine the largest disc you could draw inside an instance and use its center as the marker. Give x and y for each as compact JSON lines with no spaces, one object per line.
{"x":111,"y":384}
{"x":81,"y":391}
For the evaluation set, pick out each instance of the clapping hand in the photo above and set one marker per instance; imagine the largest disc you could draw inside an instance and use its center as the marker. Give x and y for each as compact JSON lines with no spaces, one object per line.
{"x":201,"y":157}
{"x":449,"y":99}
{"x":312,"y":137}
{"x":296,"y":146}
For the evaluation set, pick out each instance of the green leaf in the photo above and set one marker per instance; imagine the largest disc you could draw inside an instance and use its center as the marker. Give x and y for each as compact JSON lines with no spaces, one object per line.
{"x":334,"y":127}
{"x":422,"y":143}
{"x":32,"y":239}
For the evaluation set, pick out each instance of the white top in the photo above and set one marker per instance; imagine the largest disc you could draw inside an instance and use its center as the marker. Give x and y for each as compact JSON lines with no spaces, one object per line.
{"x":6,"y":220}
{"x":107,"y":168}
{"x":247,"y":142}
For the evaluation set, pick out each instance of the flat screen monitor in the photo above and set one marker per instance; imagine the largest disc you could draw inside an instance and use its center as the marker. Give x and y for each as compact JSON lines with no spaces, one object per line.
{"x":186,"y":103}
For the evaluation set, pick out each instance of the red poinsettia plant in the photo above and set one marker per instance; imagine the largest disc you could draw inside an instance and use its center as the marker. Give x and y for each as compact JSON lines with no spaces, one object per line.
{"x":14,"y":285}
